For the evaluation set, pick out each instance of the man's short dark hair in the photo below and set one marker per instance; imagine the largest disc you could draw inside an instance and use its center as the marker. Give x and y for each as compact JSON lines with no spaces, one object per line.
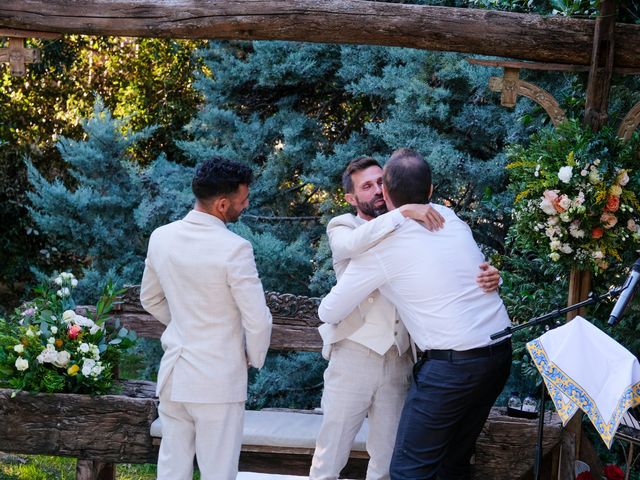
{"x":407,"y":178}
{"x":355,"y":165}
{"x":219,"y":176}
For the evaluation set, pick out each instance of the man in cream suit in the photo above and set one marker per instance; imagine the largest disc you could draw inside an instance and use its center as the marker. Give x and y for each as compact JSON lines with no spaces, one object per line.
{"x":370,"y":361}
{"x":200,"y":280}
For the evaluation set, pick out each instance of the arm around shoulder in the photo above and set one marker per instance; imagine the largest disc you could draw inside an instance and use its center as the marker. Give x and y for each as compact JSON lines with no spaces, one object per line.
{"x":349,"y":238}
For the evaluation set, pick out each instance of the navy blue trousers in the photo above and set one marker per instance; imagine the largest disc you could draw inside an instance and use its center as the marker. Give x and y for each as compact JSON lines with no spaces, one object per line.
{"x":444,"y":413}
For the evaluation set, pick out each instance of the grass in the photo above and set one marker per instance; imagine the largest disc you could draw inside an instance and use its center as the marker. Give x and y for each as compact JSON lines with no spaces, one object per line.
{"x":38,"y":467}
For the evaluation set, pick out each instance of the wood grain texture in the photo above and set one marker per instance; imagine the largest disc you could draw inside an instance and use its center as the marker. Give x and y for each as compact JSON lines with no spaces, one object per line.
{"x":486,"y":32}
{"x":109,"y":428}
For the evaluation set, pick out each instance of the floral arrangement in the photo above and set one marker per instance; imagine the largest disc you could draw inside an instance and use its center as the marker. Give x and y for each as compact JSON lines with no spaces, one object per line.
{"x":575,"y":197}
{"x":47,"y":347}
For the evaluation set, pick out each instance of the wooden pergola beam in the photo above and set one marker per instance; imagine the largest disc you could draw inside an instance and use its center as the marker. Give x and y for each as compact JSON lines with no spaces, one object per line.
{"x":484,"y":32}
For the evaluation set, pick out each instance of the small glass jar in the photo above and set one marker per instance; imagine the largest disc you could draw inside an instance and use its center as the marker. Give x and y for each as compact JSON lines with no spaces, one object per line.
{"x":515,"y":402}
{"x":529,"y":404}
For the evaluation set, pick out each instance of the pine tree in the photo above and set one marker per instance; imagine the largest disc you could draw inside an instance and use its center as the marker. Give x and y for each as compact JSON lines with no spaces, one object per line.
{"x":91,"y":216}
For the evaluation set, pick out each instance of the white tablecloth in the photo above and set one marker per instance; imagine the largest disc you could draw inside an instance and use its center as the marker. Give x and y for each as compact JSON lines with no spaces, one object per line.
{"x":585,"y":368}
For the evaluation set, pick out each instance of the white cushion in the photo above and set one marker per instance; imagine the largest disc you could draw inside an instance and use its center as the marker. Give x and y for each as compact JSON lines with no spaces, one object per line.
{"x":281,"y":429}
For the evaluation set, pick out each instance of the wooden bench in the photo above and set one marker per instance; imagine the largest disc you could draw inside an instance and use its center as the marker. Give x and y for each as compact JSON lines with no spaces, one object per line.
{"x":105,"y":430}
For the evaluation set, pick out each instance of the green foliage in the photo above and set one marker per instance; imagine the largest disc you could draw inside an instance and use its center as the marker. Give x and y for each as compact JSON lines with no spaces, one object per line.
{"x":47,"y":347}
{"x":145,"y":81}
{"x":291,"y":380}
{"x":38,"y":467}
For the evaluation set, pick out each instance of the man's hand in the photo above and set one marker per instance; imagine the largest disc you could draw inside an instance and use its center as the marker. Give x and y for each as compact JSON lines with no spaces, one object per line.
{"x":425,"y":214}
{"x":489,"y":277}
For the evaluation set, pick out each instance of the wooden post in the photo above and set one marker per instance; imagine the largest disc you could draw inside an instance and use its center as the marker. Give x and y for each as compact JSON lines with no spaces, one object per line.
{"x":595,"y":113}
{"x":595,"y":116}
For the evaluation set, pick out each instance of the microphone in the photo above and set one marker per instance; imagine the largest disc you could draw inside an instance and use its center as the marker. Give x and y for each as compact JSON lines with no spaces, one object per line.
{"x":626,"y":295}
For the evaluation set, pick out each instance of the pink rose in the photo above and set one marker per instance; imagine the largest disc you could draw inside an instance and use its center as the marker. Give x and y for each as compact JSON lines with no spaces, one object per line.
{"x":613,"y":203}
{"x":547,"y":204}
{"x":631,"y":225}
{"x":74,"y":330}
{"x":608,"y":219}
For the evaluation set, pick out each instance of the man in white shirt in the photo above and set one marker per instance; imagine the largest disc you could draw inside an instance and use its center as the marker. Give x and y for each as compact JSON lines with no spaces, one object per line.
{"x":428,"y":277}
{"x":200,"y":280}
{"x":370,"y":361}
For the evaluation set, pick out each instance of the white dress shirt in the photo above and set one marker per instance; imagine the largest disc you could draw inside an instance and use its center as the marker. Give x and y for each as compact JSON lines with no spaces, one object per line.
{"x":431,"y":279}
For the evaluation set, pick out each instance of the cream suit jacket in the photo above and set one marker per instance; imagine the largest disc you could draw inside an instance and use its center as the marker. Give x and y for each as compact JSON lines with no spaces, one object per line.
{"x":350,"y":236}
{"x":200,"y":280}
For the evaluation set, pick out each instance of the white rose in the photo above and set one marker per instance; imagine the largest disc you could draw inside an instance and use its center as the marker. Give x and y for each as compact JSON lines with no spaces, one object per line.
{"x":54,"y":329}
{"x":95,"y":329}
{"x":566,"y":248}
{"x":84,"y":347}
{"x":553,"y":220}
{"x":598,"y":255}
{"x":74,"y":283}
{"x":565,"y":174}
{"x":555,"y":256}
{"x":21,"y":364}
{"x":97,"y":369}
{"x":58,"y":281}
{"x":83,"y":321}
{"x":18,"y":348}
{"x":68,"y":316}
{"x":51,"y":340}
{"x":87,"y":366}
{"x":594,"y":177}
{"x":62,"y":359}
{"x":555,"y":245}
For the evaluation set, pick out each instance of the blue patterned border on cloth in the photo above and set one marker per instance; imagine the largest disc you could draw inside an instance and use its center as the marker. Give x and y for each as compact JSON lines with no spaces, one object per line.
{"x":568,"y":396}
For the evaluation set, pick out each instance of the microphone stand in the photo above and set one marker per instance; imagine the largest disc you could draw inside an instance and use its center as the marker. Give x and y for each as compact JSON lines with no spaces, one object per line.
{"x":542,"y":319}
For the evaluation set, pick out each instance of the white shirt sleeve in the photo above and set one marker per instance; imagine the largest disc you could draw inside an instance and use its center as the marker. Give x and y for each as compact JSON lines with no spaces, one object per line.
{"x":347,"y":242}
{"x":363,"y":275}
{"x":248,"y":294}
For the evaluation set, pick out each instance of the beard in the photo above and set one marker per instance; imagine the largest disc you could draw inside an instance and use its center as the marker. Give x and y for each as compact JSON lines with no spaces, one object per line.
{"x":373,"y":208}
{"x":232,"y":215}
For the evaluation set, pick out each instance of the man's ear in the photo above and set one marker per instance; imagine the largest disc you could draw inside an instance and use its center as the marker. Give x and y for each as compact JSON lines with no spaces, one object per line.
{"x":387,"y":200}
{"x":351,"y":199}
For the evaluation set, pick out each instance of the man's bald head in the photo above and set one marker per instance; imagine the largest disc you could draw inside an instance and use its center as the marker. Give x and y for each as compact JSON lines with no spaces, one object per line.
{"x":407,"y":178}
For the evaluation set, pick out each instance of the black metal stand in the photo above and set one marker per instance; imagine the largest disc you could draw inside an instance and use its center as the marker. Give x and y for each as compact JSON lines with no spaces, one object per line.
{"x":539,"y":321}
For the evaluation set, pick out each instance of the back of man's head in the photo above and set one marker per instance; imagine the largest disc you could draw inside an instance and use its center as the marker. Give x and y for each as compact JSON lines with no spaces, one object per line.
{"x":356,"y":165}
{"x":407,"y":178}
{"x":219,"y":176}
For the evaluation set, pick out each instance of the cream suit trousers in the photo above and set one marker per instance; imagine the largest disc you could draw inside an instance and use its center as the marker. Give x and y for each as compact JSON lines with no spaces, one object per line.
{"x":359,"y":382}
{"x":211,"y":431}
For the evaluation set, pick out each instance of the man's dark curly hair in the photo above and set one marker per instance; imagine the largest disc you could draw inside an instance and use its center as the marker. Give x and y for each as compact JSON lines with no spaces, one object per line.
{"x":219,"y":176}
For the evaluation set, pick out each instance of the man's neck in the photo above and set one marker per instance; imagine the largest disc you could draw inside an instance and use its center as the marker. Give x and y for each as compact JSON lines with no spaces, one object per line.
{"x":363,"y":216}
{"x":208,"y":209}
